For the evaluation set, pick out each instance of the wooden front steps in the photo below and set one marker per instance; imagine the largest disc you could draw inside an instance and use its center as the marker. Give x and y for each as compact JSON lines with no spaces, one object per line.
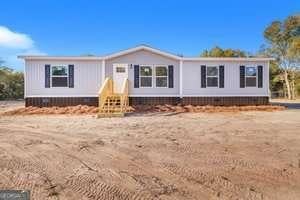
{"x":112,"y":104}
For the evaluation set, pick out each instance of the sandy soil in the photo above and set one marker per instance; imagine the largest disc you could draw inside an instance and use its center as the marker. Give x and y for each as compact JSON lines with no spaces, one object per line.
{"x":6,"y":106}
{"x":244,"y":155}
{"x":284,"y":101}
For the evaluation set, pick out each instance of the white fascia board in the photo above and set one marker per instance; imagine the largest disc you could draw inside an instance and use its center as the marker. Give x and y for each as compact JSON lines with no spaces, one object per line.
{"x":32,"y":57}
{"x":47,"y":96}
{"x":142,"y":47}
{"x":225,"y":59}
{"x":226,"y":95}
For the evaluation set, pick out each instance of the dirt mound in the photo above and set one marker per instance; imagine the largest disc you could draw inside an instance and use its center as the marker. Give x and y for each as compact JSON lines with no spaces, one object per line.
{"x":82,"y":109}
{"x":190,"y":108}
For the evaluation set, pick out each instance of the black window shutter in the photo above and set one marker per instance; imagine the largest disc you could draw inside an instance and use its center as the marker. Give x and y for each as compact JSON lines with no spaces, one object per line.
{"x":221,"y":76}
{"x":260,"y":76}
{"x":71,"y":76}
{"x":203,"y":76}
{"x":47,"y":76}
{"x":242,"y":76}
{"x":136,"y":76}
{"x":171,"y":76}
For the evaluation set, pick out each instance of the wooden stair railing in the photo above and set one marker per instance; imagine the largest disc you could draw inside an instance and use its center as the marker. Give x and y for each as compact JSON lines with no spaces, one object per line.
{"x":113,"y":104}
{"x":124,"y":96}
{"x":105,"y":91}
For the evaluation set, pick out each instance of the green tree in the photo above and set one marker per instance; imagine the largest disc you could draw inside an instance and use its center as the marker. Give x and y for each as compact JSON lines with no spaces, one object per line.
{"x":11,"y":83}
{"x":219,"y":52}
{"x":283,"y":40}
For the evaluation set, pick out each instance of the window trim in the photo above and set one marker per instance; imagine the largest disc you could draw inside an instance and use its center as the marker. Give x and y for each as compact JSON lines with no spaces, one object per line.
{"x":216,"y":76}
{"x":140,"y":76}
{"x":118,"y":67}
{"x":166,"y":66}
{"x":51,"y":76}
{"x":256,"y":79}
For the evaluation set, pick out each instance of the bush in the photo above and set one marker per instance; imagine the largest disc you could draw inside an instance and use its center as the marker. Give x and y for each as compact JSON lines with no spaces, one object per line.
{"x":11,"y":84}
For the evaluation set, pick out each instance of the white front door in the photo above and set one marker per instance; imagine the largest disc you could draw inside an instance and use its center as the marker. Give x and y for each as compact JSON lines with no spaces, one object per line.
{"x":119,"y":75}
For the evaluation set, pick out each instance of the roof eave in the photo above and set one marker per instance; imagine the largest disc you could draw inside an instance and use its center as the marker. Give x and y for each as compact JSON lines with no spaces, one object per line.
{"x":142,"y":47}
{"x":32,"y":57}
{"x":225,"y":59}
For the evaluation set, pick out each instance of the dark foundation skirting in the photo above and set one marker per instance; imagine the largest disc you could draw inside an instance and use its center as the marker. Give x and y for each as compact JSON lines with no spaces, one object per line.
{"x":154,"y":100}
{"x":60,"y":101}
{"x":201,"y":101}
{"x":225,"y":101}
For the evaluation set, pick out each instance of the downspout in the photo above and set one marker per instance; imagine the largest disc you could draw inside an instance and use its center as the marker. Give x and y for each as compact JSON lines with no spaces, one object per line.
{"x":103,"y":71}
{"x":180,"y":78}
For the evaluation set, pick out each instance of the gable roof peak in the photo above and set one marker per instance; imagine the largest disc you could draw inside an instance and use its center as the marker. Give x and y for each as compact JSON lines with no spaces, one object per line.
{"x":142,"y":47}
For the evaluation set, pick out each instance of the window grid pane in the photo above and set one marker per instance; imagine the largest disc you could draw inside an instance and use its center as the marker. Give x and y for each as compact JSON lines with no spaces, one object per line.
{"x":212,"y":71}
{"x":146,"y":71}
{"x":251,"y":81}
{"x":250,"y":71}
{"x":161,"y":82}
{"x":120,"y":70}
{"x":146,"y":81}
{"x":212,"y":82}
{"x":59,"y":81}
{"x":161,"y":71}
{"x":59,"y":70}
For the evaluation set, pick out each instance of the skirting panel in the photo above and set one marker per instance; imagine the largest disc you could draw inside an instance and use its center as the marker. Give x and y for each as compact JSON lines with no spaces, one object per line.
{"x":60,"y":101}
{"x":154,"y":100}
{"x":201,"y":101}
{"x":225,"y":101}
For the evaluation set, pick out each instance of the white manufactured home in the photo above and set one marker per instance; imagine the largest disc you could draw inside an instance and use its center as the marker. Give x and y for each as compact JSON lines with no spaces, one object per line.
{"x":152,"y":77}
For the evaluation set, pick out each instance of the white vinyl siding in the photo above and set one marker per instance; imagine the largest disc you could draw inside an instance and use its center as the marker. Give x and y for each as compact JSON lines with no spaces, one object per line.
{"x":143,"y":57}
{"x":87,"y":79}
{"x":192,"y":79}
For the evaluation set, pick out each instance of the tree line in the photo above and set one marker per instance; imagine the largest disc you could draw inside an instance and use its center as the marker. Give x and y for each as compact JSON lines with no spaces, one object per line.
{"x":283,"y":44}
{"x":11,"y":83}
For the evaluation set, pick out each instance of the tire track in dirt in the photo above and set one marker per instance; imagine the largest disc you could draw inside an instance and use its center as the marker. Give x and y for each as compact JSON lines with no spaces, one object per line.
{"x":254,"y":170}
{"x":89,"y":186}
{"x":219,"y":186}
{"x":155,"y":185}
{"x":25,"y":181}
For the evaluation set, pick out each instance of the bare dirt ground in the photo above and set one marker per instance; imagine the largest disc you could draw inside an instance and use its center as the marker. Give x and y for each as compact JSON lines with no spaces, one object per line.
{"x":240,"y":155}
{"x":292,"y":104}
{"x":6,"y":106}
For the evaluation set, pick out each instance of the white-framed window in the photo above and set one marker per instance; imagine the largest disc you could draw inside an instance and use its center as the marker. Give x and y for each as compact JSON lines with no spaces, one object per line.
{"x":146,"y":76}
{"x":212,"y":76}
{"x":120,"y":69}
{"x":250,"y":77}
{"x":59,"y":76}
{"x":161,"y":76}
